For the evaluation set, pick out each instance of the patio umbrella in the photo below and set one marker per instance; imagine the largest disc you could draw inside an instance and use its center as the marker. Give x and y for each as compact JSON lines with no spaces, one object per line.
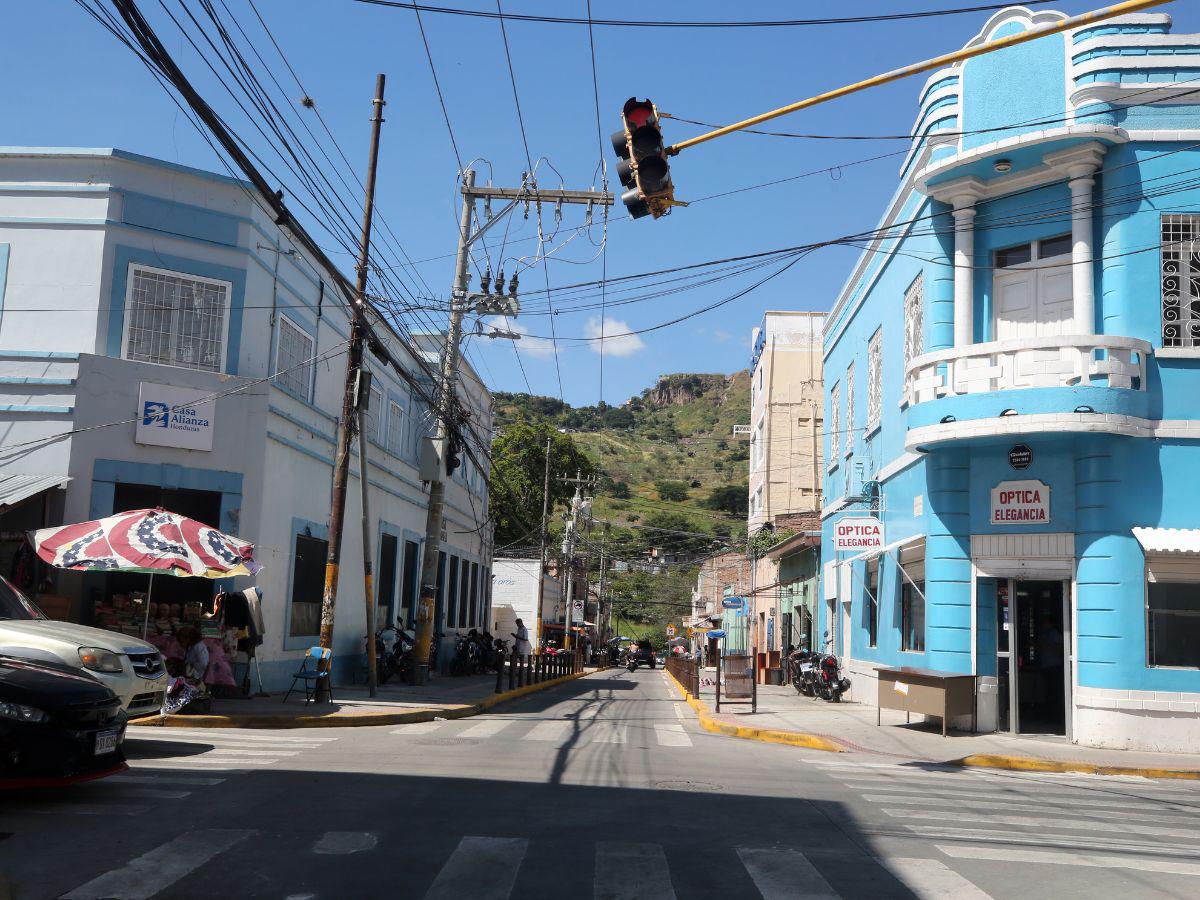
{"x":153,"y":541}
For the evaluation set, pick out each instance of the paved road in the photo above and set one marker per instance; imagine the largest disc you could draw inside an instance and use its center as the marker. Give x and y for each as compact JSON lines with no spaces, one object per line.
{"x":601,"y":788}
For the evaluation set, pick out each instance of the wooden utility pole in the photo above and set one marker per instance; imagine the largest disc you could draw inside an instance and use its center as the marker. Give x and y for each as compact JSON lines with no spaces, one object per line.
{"x":341,"y":471}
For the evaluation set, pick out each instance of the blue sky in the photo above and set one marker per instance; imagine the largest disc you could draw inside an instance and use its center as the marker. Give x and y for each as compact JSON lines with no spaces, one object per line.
{"x":78,"y":87}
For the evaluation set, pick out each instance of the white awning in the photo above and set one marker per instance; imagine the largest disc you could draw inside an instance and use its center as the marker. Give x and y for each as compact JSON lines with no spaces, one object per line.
{"x":1168,"y":540}
{"x":886,"y":548}
{"x":15,"y":488}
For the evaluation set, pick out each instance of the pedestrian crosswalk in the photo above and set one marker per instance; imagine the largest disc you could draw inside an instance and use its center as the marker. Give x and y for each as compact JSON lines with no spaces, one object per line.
{"x":192,"y":749}
{"x":576,"y":731}
{"x":1079,"y":820}
{"x":489,"y":867}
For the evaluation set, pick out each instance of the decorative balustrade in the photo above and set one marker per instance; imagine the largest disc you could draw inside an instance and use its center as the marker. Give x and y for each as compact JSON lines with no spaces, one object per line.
{"x":1093,"y":360}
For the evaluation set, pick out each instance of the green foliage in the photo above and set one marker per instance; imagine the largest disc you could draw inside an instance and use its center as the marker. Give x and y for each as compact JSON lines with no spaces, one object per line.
{"x":766,"y":538}
{"x":518,"y":472}
{"x":675,"y":491}
{"x":620,"y":491}
{"x":642,"y":598}
{"x":729,"y":498}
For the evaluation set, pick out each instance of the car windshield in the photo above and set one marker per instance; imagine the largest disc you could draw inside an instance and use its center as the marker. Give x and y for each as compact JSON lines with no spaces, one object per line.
{"x":15,"y":605}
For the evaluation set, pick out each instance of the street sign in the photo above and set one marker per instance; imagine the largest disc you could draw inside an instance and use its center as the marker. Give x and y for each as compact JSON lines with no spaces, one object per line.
{"x":858,"y":533}
{"x":670,"y":631}
{"x":733,"y":602}
{"x":1020,"y":457}
{"x":716,"y":633}
{"x":577,"y":605}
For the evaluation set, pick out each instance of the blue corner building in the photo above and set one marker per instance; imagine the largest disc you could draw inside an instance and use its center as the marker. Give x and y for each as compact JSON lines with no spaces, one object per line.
{"x":1012,"y":388}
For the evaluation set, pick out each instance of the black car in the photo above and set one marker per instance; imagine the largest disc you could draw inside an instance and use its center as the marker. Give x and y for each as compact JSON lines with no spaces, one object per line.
{"x":57,"y":724}
{"x":644,"y":651}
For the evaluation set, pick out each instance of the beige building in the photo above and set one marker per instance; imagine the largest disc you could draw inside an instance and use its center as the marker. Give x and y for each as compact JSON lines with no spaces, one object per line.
{"x":785,"y":458}
{"x":785,"y":416}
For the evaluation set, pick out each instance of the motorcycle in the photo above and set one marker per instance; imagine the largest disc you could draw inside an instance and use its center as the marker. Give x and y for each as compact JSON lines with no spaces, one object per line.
{"x":816,"y":674}
{"x":393,"y":653}
{"x":802,"y":665}
{"x":631,"y":662}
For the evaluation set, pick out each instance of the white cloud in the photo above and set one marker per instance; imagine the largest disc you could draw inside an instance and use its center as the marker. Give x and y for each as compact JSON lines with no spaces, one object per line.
{"x":722,"y":336}
{"x":537,"y":347}
{"x":617,"y":340}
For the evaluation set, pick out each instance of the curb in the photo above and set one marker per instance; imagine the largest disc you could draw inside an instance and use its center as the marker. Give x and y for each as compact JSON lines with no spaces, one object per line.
{"x":355,"y":720}
{"x":751,"y":733}
{"x":1033,"y":764}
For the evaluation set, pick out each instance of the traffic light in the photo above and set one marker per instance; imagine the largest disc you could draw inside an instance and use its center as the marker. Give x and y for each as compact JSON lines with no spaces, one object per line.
{"x":643,"y":166}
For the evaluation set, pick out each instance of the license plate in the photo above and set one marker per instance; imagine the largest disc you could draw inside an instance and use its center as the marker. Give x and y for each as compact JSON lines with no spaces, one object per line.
{"x":107,"y":741}
{"x":805,"y":667}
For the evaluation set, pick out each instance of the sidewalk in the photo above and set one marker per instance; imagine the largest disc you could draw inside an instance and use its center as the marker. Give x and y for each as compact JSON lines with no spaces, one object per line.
{"x":850,"y":727}
{"x":444,"y":697}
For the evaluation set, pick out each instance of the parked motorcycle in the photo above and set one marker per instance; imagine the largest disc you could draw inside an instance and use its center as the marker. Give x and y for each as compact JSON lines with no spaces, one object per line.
{"x":393,"y":653}
{"x":815,"y":674}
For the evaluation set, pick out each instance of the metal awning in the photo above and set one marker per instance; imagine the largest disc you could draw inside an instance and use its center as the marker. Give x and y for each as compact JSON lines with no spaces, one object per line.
{"x":15,"y":488}
{"x":886,"y":548}
{"x":1168,"y":540}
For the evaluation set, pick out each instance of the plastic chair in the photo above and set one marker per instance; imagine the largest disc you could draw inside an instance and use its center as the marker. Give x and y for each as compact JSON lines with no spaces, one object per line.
{"x":312,"y":677}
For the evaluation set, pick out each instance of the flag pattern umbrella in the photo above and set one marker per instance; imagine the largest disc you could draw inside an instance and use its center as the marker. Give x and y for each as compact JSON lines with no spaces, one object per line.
{"x":153,"y":541}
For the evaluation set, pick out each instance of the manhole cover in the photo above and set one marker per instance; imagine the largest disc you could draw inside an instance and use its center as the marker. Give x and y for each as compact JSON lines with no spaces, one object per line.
{"x":697,"y":786}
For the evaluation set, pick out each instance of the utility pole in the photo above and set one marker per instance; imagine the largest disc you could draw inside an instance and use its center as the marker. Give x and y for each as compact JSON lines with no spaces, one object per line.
{"x":600,"y":611}
{"x":537,"y":631}
{"x":341,"y":472}
{"x":485,"y":302}
{"x":580,"y":506}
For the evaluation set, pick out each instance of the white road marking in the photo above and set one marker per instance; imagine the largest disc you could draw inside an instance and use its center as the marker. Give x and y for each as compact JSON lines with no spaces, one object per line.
{"x":993,"y":836}
{"x":1095,"y":860}
{"x":418,"y":727}
{"x":89,"y":809}
{"x":198,"y":764}
{"x":785,"y":874}
{"x":137,"y":793}
{"x":242,"y":751}
{"x":670,"y":735}
{"x":611,"y":734}
{"x":898,"y":792}
{"x":168,"y":779}
{"x":549,"y":731}
{"x":679,"y":712}
{"x":931,"y":879}
{"x":1041,"y":821}
{"x":226,"y":743}
{"x":631,"y":872}
{"x":1078,"y":809}
{"x":150,"y":873}
{"x":200,"y":733}
{"x":341,"y":843}
{"x":484,"y":729}
{"x":482,"y":868}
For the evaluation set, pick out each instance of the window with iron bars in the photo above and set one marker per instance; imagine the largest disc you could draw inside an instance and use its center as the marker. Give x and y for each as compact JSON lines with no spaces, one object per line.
{"x":1181,"y":281}
{"x":835,"y":421}
{"x":874,"y":379}
{"x":175,"y":319}
{"x":914,"y":322}
{"x":293,"y":358}
{"x":849,"y":409}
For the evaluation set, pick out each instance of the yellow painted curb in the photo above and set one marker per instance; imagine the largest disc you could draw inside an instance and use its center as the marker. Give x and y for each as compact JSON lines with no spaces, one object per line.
{"x":750,"y":733}
{"x":1032,"y":764}
{"x":354,"y":719}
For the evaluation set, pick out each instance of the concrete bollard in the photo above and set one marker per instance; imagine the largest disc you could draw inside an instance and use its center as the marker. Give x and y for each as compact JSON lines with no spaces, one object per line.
{"x":512,"y":669}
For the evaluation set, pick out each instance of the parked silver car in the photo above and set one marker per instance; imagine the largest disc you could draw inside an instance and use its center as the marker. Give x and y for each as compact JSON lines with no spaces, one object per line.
{"x":132,"y":668}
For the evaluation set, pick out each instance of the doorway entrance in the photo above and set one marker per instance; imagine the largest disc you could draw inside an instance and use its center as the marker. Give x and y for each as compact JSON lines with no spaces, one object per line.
{"x":1033,"y":628}
{"x":1033,"y":294}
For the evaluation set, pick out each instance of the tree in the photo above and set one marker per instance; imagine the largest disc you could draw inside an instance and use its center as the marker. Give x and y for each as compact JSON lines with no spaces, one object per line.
{"x":675,"y":491}
{"x":675,"y":532}
{"x":730,"y":498}
{"x":620,"y":491}
{"x":518,"y":471}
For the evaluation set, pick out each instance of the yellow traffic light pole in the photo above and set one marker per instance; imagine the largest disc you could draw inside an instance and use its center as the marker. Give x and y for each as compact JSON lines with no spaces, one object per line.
{"x":1088,"y":18}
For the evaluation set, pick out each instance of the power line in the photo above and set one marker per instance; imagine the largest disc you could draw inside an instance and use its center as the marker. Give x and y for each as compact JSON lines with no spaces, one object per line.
{"x":679,"y":23}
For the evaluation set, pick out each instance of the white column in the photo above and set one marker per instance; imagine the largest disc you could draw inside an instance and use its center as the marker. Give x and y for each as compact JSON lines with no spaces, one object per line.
{"x":964,"y":271}
{"x":1083,"y":286}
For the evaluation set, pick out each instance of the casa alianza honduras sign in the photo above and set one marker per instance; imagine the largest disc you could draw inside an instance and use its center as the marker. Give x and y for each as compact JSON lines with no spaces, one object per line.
{"x":1020,"y":503}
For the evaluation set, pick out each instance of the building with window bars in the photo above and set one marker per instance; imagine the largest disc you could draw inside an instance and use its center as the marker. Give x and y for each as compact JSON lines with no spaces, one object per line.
{"x":130,"y":286}
{"x":1028,"y":317}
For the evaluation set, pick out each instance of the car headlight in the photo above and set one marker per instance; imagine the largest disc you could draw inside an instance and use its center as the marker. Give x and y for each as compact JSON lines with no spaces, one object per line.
{"x":21,"y":713}
{"x":99,"y":660}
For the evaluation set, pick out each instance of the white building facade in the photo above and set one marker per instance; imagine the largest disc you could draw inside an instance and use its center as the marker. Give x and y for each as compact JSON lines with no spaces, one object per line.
{"x":127,"y":283}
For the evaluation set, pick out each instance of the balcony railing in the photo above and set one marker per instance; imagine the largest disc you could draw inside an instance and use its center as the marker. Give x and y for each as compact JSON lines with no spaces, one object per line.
{"x":1063,"y":361}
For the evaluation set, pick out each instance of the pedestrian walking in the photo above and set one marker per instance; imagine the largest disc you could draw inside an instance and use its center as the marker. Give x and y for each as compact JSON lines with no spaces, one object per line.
{"x":521,"y":637}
